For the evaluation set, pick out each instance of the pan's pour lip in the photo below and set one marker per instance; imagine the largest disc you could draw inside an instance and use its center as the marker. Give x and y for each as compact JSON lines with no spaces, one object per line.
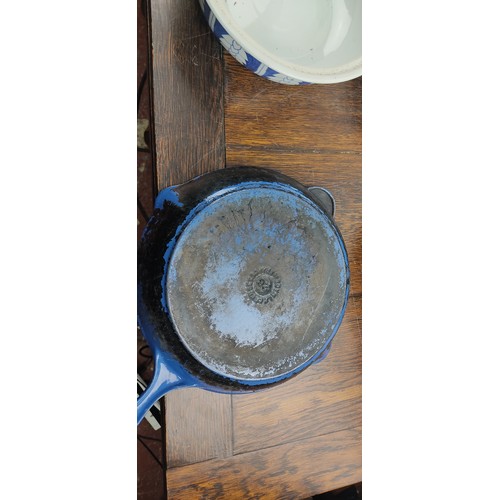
{"x":262,"y":286}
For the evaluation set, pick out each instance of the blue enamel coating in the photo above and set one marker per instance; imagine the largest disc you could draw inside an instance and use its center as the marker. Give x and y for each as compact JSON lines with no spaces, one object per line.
{"x":169,"y":372}
{"x":167,"y":376}
{"x":167,"y":195}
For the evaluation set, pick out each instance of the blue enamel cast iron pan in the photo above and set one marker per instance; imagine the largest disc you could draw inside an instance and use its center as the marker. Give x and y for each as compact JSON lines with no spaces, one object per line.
{"x":243,"y":281}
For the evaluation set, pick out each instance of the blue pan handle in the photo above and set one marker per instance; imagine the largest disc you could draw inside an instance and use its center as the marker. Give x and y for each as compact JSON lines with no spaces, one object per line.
{"x":164,"y":380}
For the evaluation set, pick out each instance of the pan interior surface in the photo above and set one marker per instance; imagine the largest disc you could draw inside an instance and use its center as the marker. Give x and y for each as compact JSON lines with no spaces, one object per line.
{"x":257,"y":282}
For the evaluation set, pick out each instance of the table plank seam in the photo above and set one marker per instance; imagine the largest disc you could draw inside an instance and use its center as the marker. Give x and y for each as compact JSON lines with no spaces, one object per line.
{"x":279,"y":149}
{"x":311,"y":436}
{"x":267,"y":448}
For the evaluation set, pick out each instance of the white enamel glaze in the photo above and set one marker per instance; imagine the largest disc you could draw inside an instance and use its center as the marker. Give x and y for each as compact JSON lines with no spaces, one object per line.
{"x":317,"y":41}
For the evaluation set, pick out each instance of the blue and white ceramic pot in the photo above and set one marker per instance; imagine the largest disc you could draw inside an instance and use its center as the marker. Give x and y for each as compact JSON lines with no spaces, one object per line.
{"x":294,"y":42}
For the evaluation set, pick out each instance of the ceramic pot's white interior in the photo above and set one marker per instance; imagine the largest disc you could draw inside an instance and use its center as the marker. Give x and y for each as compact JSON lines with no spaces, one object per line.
{"x":312,"y":36}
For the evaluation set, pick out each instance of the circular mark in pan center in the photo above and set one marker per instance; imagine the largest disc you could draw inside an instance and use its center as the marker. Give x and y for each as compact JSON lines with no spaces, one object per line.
{"x":263,"y":285}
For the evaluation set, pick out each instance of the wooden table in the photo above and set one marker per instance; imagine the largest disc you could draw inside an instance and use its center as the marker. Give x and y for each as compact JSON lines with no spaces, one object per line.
{"x":303,"y":437}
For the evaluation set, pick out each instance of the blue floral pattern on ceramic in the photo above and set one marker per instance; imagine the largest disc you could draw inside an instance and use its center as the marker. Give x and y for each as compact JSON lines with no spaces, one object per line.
{"x":243,"y":57}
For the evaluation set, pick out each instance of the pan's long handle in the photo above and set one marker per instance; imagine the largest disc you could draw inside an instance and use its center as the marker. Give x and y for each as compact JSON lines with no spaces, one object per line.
{"x":164,"y":380}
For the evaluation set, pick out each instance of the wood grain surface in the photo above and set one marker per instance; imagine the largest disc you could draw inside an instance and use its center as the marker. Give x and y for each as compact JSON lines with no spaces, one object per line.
{"x":187,"y":92}
{"x":288,"y":471}
{"x":261,"y":115}
{"x":206,"y":417}
{"x":303,"y":437}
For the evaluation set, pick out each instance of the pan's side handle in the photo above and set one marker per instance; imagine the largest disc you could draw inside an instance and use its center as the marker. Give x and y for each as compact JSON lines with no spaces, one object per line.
{"x":325,"y":198}
{"x":164,"y":380}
